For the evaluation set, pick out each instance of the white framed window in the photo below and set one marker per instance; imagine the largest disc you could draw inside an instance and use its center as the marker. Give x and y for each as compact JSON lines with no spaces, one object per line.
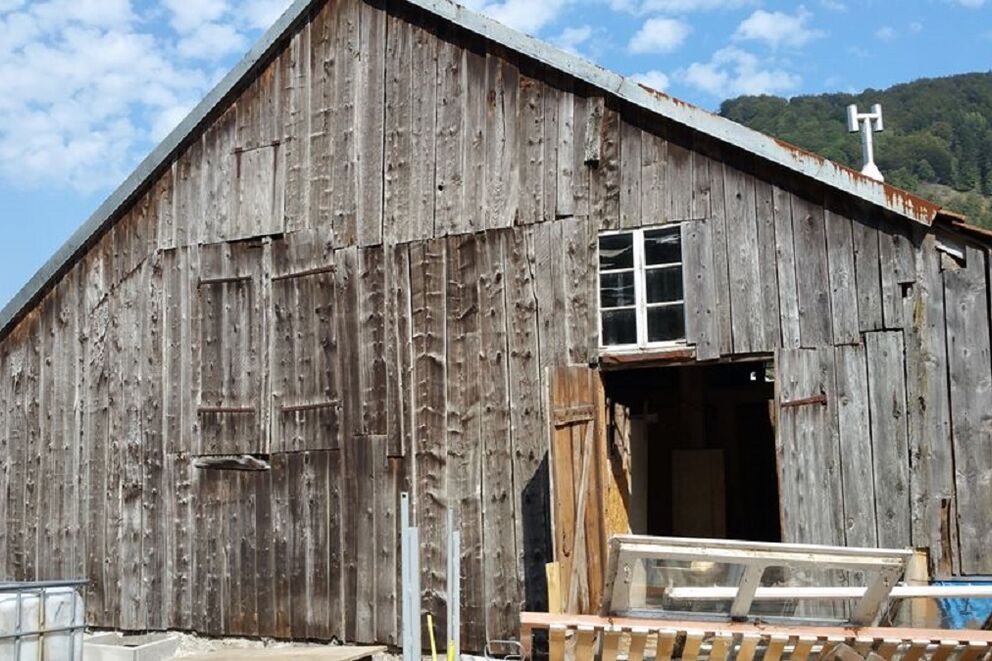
{"x":641,"y":299}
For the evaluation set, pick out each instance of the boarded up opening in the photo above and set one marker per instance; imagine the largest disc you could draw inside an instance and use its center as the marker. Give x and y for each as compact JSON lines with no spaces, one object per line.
{"x":695,"y":446}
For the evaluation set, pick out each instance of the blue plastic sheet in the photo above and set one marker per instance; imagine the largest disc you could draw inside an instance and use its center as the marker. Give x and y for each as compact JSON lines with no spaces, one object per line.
{"x":964,"y":613}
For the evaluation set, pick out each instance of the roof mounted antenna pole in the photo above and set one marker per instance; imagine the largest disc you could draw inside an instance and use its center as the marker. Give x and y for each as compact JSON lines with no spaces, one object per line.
{"x":867,"y":123}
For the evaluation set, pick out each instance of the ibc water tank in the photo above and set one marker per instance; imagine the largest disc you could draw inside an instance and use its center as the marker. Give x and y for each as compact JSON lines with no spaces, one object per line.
{"x":42,"y":611}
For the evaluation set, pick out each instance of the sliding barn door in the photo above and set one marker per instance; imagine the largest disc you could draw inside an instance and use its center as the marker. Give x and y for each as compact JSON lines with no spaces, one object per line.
{"x":578,"y":485}
{"x":810,"y":489}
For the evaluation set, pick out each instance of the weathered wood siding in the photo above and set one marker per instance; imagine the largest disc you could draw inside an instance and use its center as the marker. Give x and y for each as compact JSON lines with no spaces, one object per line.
{"x":363,"y":270}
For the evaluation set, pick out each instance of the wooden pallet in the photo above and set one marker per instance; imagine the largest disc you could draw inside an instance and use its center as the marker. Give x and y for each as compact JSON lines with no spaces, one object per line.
{"x":585,"y":638}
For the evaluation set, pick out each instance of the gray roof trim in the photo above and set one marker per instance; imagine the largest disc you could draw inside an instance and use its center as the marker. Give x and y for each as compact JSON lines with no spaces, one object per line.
{"x":724,"y":130}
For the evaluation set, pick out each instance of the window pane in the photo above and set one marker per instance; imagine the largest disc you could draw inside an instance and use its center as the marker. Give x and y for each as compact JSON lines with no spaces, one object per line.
{"x":664,"y":285}
{"x":619,"y":327}
{"x":663,"y":246}
{"x":666,"y":324}
{"x":617,"y":289}
{"x":616,"y":251}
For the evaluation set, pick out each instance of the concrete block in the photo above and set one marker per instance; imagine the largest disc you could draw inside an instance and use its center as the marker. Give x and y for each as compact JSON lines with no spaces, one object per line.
{"x":120,"y":647}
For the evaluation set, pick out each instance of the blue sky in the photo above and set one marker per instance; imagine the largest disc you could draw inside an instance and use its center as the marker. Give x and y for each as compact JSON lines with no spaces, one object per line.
{"x":90,"y":86}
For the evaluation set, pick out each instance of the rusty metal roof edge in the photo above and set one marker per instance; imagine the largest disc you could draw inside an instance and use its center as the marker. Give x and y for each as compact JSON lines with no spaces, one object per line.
{"x":793,"y":158}
{"x":722,"y":129}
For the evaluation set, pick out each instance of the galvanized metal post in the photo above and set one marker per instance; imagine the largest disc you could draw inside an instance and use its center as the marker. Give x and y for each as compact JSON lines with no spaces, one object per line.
{"x":414,"y":561}
{"x":406,"y":582}
{"x":454,"y":585}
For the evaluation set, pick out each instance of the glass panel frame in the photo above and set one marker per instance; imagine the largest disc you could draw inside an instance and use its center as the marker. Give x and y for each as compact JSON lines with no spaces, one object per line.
{"x":641,"y":304}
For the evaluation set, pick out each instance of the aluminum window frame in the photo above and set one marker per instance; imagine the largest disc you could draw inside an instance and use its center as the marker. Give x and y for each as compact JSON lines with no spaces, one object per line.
{"x":641,"y":304}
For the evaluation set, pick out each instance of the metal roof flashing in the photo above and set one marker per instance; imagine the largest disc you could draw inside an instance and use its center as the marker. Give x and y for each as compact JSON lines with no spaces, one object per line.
{"x":724,"y":130}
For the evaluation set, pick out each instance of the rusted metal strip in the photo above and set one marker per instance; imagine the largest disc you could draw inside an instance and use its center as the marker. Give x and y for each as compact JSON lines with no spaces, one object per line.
{"x":304,"y":274}
{"x":820,"y":399}
{"x":233,"y":410}
{"x":307,"y":407}
{"x":206,"y":282}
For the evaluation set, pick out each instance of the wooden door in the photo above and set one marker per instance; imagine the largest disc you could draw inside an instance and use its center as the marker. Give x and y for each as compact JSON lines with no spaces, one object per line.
{"x":807,"y":447}
{"x":579,"y":479}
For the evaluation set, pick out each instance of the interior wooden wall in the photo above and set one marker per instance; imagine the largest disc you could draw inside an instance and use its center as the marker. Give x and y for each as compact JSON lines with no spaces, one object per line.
{"x":364,"y":268}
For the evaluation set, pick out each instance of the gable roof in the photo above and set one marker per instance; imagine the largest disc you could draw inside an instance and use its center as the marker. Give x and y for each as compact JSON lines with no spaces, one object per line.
{"x":792,"y":158}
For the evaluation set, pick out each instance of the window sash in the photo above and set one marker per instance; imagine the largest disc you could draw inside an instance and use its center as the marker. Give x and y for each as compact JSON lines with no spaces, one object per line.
{"x":641,"y":305}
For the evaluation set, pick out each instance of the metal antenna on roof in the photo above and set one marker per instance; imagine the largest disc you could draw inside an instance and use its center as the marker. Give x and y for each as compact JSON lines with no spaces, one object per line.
{"x":867,"y":123}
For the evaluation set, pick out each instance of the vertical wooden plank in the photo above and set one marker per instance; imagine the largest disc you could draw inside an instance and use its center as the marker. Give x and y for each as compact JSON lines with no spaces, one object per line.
{"x":322,"y":468}
{"x":153,"y":447}
{"x":318,"y":95}
{"x":812,"y":277}
{"x":631,"y":161}
{"x":928,"y":408}
{"x":399,"y":360}
{"x":301,"y":592}
{"x":767,"y":265}
{"x":855,"y":445}
{"x":427,"y":283}
{"x":498,"y":515}
{"x":399,"y":123}
{"x":219,"y":177}
{"x":785,"y":254}
{"x":653,"y":179}
{"x":264,"y":555}
{"x":296,"y":117}
{"x":701,"y":318}
{"x":475,"y":102}
{"x":372,"y":350}
{"x":188,"y":197}
{"x":464,"y":459}
{"x":679,"y":186}
{"x":569,"y":167}
{"x":345,"y":127}
{"x":449,"y":135}
{"x":358,"y":526}
{"x":254,"y":199}
{"x":527,"y":424}
{"x":720,"y":257}
{"x":370,"y":123}
{"x":967,"y":313}
{"x":347,"y":298}
{"x":387,"y":480}
{"x":745,"y":274}
{"x":890,"y":448}
{"x":502,"y":148}
{"x":604,"y":175}
{"x":282,"y":545}
{"x":895,"y":251}
{"x":550,"y":290}
{"x":530,"y":151}
{"x":843,"y":279}
{"x":867,"y":269}
{"x":702,"y":186}
{"x":579,"y":245}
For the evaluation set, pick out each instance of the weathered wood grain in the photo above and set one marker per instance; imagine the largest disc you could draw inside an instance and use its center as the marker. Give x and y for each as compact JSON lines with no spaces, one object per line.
{"x":853,"y":419}
{"x":767,"y":268}
{"x":867,"y":268}
{"x":812,"y":273}
{"x":812,"y":504}
{"x":785,"y":264}
{"x":631,"y":163}
{"x":720,"y":258}
{"x":701,"y":318}
{"x":928,"y":410}
{"x":529,"y":162}
{"x":890,"y":447}
{"x":464,"y":459}
{"x":843,"y":279}
{"x":502,"y":144}
{"x":966,"y":308}
{"x":745,"y":270}
{"x":603,"y":129}
{"x":678,"y":186}
{"x":369,"y":119}
{"x":895,"y":251}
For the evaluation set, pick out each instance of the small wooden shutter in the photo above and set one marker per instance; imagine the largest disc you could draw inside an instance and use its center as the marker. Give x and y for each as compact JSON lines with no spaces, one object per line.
{"x":578,"y":485}
{"x":230,"y":349}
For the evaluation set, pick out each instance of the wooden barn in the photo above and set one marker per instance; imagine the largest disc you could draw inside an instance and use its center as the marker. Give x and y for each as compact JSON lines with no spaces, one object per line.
{"x":404,"y":248}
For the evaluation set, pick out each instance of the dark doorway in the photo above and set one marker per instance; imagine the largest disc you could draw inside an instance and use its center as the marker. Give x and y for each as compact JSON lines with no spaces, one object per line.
{"x":698,"y":443}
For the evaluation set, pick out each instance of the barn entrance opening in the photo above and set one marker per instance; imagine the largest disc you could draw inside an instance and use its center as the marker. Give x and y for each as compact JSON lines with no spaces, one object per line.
{"x":697,"y":447}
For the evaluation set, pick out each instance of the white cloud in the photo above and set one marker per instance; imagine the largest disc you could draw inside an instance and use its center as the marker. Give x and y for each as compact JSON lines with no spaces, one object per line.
{"x":970,"y":4}
{"x":654,"y":79}
{"x":659,"y":35}
{"x":525,"y":15}
{"x":778,"y":28}
{"x":212,"y":41}
{"x":676,"y":6}
{"x":885,"y":33}
{"x":187,"y":16}
{"x":261,"y":14}
{"x":833,"y":5}
{"x":732,"y":72}
{"x":571,"y":38}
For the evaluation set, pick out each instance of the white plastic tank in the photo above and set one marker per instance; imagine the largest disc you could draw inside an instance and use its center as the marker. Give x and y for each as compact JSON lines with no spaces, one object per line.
{"x":42,"y":610}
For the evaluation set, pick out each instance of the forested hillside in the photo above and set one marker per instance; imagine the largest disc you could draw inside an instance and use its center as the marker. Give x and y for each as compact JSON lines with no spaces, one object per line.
{"x":937,"y":140}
